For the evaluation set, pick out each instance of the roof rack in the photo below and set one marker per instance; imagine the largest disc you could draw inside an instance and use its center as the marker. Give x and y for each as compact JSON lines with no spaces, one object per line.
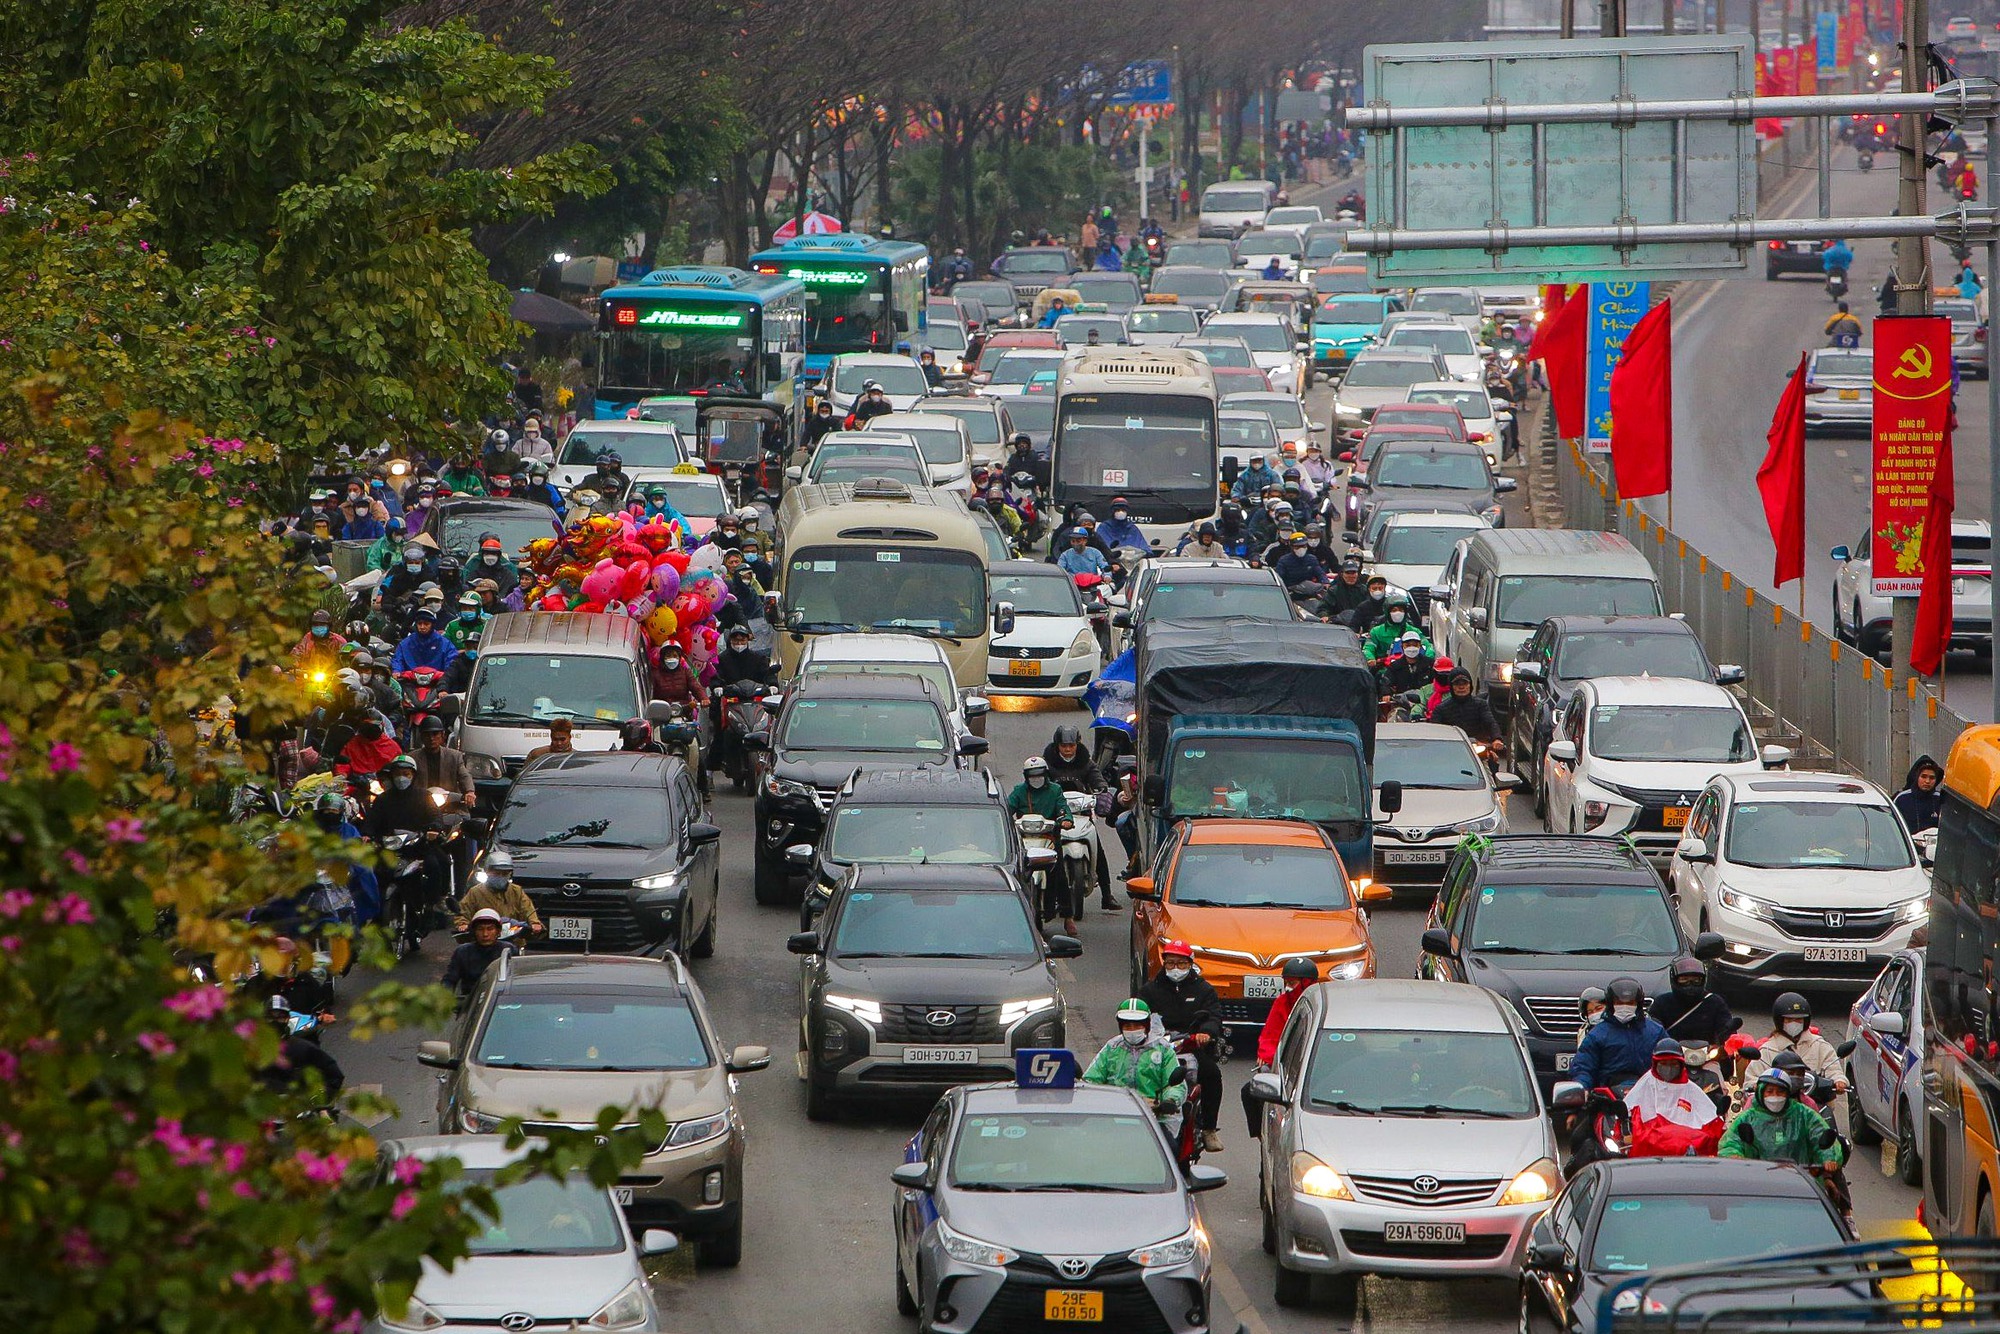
{"x":694,"y":277}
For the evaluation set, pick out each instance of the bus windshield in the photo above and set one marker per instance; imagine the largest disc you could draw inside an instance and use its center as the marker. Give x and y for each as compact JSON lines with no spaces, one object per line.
{"x":847,"y":310}
{"x":904,"y":589}
{"x":675,"y":349}
{"x":1157,"y":446}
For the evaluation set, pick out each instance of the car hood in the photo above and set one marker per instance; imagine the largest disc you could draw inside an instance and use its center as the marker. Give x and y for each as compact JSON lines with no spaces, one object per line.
{"x":943,"y":981}
{"x":1407,"y":577}
{"x":586,"y":864}
{"x":1266,"y":932}
{"x":1687,"y":776}
{"x":574,"y":1096}
{"x":1426,"y":808}
{"x":829,"y":769}
{"x":1438,"y":1146}
{"x":1829,"y":886}
{"x":1040,"y":632}
{"x":1380,"y":493}
{"x":555,"y":1289}
{"x":1371,"y":396}
{"x":1055,"y":1224}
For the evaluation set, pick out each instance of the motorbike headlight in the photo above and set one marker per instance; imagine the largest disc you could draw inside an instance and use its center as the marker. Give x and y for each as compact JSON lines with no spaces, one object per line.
{"x":485,"y":767}
{"x":1348,"y":972}
{"x":1500,"y":673}
{"x":1482,"y":824}
{"x":397,"y":842}
{"x":1014,"y":1011}
{"x":685,"y":1133}
{"x":1084,"y":645}
{"x":1914,"y":910}
{"x":971,"y":1250}
{"x":1312,"y":1177}
{"x":861,"y":1007}
{"x":1173,"y":1251}
{"x":1538,"y":1182}
{"x":665,"y":880}
{"x":1750,"y":906}
{"x":477,"y":1123}
{"x":625,"y":1311}
{"x":415,"y":1316}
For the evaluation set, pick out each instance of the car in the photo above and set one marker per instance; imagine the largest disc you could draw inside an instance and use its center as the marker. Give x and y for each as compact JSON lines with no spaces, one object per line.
{"x":904,"y":655}
{"x":1452,"y":343}
{"x":1034,"y":415}
{"x":1115,"y":293}
{"x":1511,"y":305}
{"x":1342,"y":275}
{"x":1070,"y":1210}
{"x":1783,"y":257}
{"x":1620,"y":1218}
{"x":1074,"y":330}
{"x":1361,"y":454}
{"x":1968,"y":334}
{"x":947,"y":340}
{"x":923,"y":816}
{"x":991,"y":345}
{"x":548,"y":1040}
{"x":1811,"y":880}
{"x":1536,"y":918}
{"x":1244,"y":436}
{"x":699,"y":496}
{"x":1289,"y":298}
{"x":1052,"y":649}
{"x":1631,"y":753}
{"x":1030,"y":269}
{"x":459,"y":523}
{"x":921,"y":977}
{"x":1864,"y":618}
{"x":843,"y":456}
{"x":1378,"y":377}
{"x":1564,"y":650}
{"x":1459,"y":304}
{"x":1240,"y":380}
{"x":1221,"y":351}
{"x":1287,"y":414}
{"x":1443,"y":417}
{"x":1158,"y":324}
{"x":1200,"y":253}
{"x":1960,"y":26}
{"x":646,"y":449}
{"x":1009,"y":375}
{"x":1200,"y":591}
{"x":1445,"y":793}
{"x":1432,"y":469}
{"x":1410,"y":548}
{"x":1248,"y":896}
{"x":1000,"y":299}
{"x":1885,"y":1069}
{"x":1295,"y":218}
{"x":1486,"y":422}
{"x":1840,"y":389}
{"x":617,"y":852}
{"x":943,"y":440}
{"x":1345,"y":325}
{"x":826,"y":729}
{"x":558,"y":1247}
{"x":901,"y":378}
{"x":987,"y":421}
{"x":1258,"y":250}
{"x":1401,"y":1132}
{"x":1201,"y":286}
{"x":1273,"y":344}
{"x":1232,"y":208}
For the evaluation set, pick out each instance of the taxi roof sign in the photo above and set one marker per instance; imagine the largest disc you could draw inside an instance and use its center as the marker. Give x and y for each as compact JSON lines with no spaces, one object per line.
{"x":1046,"y":1068}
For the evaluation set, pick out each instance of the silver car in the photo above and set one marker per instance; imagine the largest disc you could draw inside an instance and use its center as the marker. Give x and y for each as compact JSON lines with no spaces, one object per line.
{"x":1447,"y":793}
{"x":1402,"y":1133}
{"x":1840,"y":389}
{"x":1019,"y":1208}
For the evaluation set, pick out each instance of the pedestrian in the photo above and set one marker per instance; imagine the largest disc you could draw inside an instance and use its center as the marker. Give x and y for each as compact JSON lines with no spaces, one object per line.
{"x":1922,"y":797}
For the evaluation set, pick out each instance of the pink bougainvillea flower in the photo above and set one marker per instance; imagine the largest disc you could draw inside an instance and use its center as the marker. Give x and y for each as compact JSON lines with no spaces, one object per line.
{"x":157,"y":1045}
{"x":198,"y":1003}
{"x":64,"y":758}
{"x":125,"y":829}
{"x":405,"y":1204}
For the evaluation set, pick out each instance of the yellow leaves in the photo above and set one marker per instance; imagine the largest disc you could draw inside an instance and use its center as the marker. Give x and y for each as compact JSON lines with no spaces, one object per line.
{"x":179,"y":536}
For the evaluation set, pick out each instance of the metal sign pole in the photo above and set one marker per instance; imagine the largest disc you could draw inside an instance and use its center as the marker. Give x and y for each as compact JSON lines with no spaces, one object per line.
{"x":1913,"y":297}
{"x":1992,"y":410}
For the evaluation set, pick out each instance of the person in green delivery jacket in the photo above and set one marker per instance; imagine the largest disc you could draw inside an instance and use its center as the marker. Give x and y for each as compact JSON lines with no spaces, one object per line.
{"x":1774,"y":1126}
{"x":1138,"y":1060}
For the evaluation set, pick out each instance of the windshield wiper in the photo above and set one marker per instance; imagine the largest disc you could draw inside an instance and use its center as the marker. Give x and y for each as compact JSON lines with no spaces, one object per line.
{"x":823,"y":627}
{"x":508,"y":716}
{"x":1505,"y":949}
{"x":1445,"y":1109}
{"x":1606,"y":949}
{"x":1342,"y":1105}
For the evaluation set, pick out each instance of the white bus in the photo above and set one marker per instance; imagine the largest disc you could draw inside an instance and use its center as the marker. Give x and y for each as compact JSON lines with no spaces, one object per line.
{"x":1138,"y":422}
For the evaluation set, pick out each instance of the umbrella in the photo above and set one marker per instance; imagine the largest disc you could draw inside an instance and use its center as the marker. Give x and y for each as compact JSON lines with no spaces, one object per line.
{"x":545,"y":314}
{"x":816,"y":224}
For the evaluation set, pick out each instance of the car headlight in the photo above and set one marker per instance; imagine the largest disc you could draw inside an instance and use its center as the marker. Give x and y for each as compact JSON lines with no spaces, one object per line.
{"x":1174,"y":1251}
{"x":1312,"y":1177}
{"x":1013,"y":1012}
{"x":477,"y":1123}
{"x":1491,"y":515}
{"x":485,"y":767}
{"x":1538,"y":1182}
{"x":1914,"y":910}
{"x":625,"y":1311}
{"x":1084,"y":645}
{"x":685,"y":1133}
{"x":1347,"y":972}
{"x":775,"y":786}
{"x":417,"y":1316}
{"x":970,"y":1250}
{"x":866,"y":1010}
{"x":1480,"y":824}
{"x":1737,"y":901}
{"x":665,"y":880}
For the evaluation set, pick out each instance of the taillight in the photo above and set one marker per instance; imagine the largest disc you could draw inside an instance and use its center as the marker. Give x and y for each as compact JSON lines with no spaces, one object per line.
{"x":1777,"y":245}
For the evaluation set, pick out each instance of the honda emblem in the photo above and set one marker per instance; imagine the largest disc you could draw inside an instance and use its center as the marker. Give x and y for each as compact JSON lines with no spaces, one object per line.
{"x":1835,"y":920}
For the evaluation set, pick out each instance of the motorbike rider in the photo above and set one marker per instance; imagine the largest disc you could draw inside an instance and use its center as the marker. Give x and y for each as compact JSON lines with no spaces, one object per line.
{"x":400,"y":585}
{"x":1689,"y":1011}
{"x":753,"y":560}
{"x":1346,"y":595}
{"x":1466,"y":710}
{"x":1406,"y":670}
{"x":1774,"y":1126}
{"x":372,"y":748}
{"x":873,"y":403}
{"x":539,"y":489}
{"x":1036,"y":795}
{"x":1838,"y":257}
{"x":1186,"y":1003}
{"x":1589,"y":1011}
{"x":1791,"y":1021}
{"x":461,"y":476}
{"x":657,"y":503}
{"x":492,"y":563}
{"x":1618,"y":1050}
{"x":298,"y":1057}
{"x":1265,"y":523}
{"x":1203,"y":541}
{"x":635,"y":737}
{"x":1397,"y":617}
{"x":1885,"y":295}
{"x":1138,"y":1060}
{"x":494,"y":888}
{"x":1842,"y":329}
{"x":330,"y":815}
{"x":1298,"y":974}
{"x":821,"y":423}
{"x":1299,"y":570}
{"x":1119,"y":530}
{"x":562,"y":741}
{"x":1322,"y":550}
{"x":607,"y":479}
{"x":1672,"y":1116}
{"x":1070,"y":769}
{"x":957,"y":269}
{"x":469,"y":962}
{"x":466,"y":627}
{"x":1021,"y":459}
{"x":1922,"y":797}
{"x":319,"y":647}
{"x":1082,"y":557}
{"x":741,"y":669}
{"x":423,"y":646}
{"x":1441,"y":670}
{"x":439,"y":765}
{"x":388,"y":548}
{"x":1250,"y":483}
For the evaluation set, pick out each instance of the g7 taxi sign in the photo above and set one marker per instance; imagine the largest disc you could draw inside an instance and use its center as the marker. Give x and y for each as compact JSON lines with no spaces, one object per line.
{"x":1046,"y":1068}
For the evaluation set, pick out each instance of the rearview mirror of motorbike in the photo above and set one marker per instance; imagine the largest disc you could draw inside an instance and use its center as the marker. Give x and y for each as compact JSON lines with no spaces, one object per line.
{"x":1142,"y":887}
{"x":1845,"y":1049}
{"x":1041,"y":858}
{"x":659,"y":711}
{"x":1390,"y":797}
{"x":1065,"y":947}
{"x":1153,"y":790}
{"x":1568,"y":1096}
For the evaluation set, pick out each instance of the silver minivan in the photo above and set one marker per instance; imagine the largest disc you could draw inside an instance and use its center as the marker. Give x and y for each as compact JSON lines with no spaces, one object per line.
{"x":1231,"y":208}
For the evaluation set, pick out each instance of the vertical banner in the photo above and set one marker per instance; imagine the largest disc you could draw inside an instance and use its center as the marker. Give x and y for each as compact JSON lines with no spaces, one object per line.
{"x":1808,"y":65}
{"x":1768,"y":127}
{"x":1785,"y":72}
{"x":1826,"y":43}
{"x":1851,"y":28}
{"x":1912,"y":401}
{"x":1614,"y":309}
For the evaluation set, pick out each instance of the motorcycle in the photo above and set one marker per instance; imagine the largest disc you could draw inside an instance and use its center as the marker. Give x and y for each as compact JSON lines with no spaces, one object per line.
{"x":1079,"y":845}
{"x":1039,"y":841}
{"x":416,"y":891}
{"x":423,"y":692}
{"x":1111,"y":698}
{"x":1836,"y":284}
{"x":1091,"y":590}
{"x":1407,"y":707}
{"x":737,"y":714}
{"x":1187,"y":1136}
{"x":1156,"y":249}
{"x":1865,"y":159}
{"x":1600,"y":1127}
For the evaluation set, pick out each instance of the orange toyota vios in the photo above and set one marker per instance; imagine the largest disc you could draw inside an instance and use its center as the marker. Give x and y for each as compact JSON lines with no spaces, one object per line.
{"x":1248,"y":895}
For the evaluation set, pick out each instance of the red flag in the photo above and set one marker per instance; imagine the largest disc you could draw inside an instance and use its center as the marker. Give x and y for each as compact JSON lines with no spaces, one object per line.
{"x":1642,"y":408}
{"x":1559,"y":346}
{"x":1934,"y":598}
{"x":1781,"y":479}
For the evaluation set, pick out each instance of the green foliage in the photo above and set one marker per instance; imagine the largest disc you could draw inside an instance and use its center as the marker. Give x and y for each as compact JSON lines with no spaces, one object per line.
{"x":1030,"y":187}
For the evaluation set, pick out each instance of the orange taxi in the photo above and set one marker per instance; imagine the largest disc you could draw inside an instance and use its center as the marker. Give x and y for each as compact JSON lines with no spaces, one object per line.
{"x":1248,"y":895}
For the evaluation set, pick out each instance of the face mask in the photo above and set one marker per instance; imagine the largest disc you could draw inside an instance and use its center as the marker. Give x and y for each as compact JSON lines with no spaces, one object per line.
{"x":1774,"y":1103}
{"x":1373,"y":596}
{"x":1134,"y":1037}
{"x":1687,"y":986}
{"x":1396,"y":616}
{"x":1624,"y":1014}
{"x":402,"y":782}
{"x":353,"y":497}
{"x":670,"y":664}
{"x":469,"y":614}
{"x":372,"y":731}
{"x":1037,"y":781}
{"x":1118,"y":514}
{"x":413,"y":566}
{"x":1594,"y":1018}
{"x":1670,"y":1071}
{"x":327,"y":822}
{"x":1793,"y":1027}
{"x":491,"y":558}
{"x":322,"y":631}
{"x":1177,"y":974}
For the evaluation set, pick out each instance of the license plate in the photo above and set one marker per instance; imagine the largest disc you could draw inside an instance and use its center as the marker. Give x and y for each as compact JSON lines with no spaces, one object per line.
{"x":622,"y":1194}
{"x":1675,"y":817}
{"x":1836,"y":954}
{"x":1850,"y":395}
{"x":1414,"y":856}
{"x":1425,"y":1234}
{"x":570,"y":928}
{"x":1071,"y":1304}
{"x":1563,"y":1058}
{"x":1263,"y":986}
{"x":1024,"y":669}
{"x":940,"y":1056}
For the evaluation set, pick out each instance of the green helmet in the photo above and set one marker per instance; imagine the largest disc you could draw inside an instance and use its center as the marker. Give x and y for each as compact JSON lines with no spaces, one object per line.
{"x":1132,"y":1010}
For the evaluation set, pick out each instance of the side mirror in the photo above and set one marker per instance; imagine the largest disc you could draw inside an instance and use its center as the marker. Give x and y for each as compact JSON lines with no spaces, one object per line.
{"x":701,"y":833}
{"x":1568,"y":1096}
{"x":1476,"y":617}
{"x":1841,"y":554}
{"x":657,"y":1241}
{"x":1390,"y":797}
{"x":1142,"y":887}
{"x":1065,"y":947}
{"x":450,"y":705}
{"x":1003,"y":619}
{"x":1441,"y":594}
{"x":799,"y":856}
{"x":912,"y":1176}
{"x":1202,"y":1177}
{"x":1708,"y":945}
{"x":1775,"y":757}
{"x":1503,"y":485}
{"x":1264,"y":1086}
{"x":1728,"y":674}
{"x":1887,"y":1023}
{"x":436,"y":1054}
{"x":1529,"y":671}
{"x":803,"y":942}
{"x":745,"y":1059}
{"x":1345,"y":456}
{"x":1153,"y":790}
{"x":1563,"y":750}
{"x":977,"y":706}
{"x":659,"y":711}
{"x":1694,"y":850}
{"x":972,"y":746}
{"x":1122,"y":619}
{"x":1315,"y":426}
{"x":772,"y":701}
{"x":756,"y":741}
{"x":1374,"y":891}
{"x":794,"y":473}
{"x":1505,"y":781}
{"x":1549,"y":1254}
{"x":1437,"y":941}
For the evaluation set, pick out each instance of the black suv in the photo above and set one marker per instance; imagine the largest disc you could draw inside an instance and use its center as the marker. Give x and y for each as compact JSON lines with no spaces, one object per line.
{"x":616,"y":850}
{"x":826,"y":731}
{"x":906,"y":817}
{"x":1564,"y":650}
{"x":922,"y":977}
{"x":1536,"y":918}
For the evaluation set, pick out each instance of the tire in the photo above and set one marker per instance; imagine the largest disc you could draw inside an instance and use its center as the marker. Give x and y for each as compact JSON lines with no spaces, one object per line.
{"x":1541,"y":794}
{"x":1292,"y":1288}
{"x":1270,"y":1224}
{"x":820,"y":1105}
{"x":1984,"y":1226}
{"x":704,"y":944}
{"x":1858,"y":1128}
{"x":1531,"y":1322}
{"x":906,"y":1305}
{"x":1909,"y":1163}
{"x":769,"y":882}
{"x":724,"y":1250}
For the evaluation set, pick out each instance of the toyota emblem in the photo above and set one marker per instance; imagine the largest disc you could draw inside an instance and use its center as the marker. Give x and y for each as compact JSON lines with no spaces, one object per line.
{"x":1073,"y":1266}
{"x":1425,"y":1185}
{"x":941,"y":1018}
{"x":517,"y":1320}
{"x":570,"y":890}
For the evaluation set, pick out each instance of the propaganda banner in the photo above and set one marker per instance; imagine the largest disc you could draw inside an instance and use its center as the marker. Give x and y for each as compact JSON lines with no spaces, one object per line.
{"x":1912,"y":382}
{"x":1615,"y":307}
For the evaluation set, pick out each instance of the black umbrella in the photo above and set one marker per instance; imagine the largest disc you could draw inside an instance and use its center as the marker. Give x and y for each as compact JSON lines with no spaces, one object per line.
{"x":545,"y":314}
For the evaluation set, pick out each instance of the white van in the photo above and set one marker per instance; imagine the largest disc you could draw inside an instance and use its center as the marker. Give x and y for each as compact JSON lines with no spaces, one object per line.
{"x":1231,"y":208}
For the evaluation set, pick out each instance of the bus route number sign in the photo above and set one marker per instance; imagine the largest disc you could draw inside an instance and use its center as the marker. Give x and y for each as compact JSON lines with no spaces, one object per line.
{"x":1116,"y":477}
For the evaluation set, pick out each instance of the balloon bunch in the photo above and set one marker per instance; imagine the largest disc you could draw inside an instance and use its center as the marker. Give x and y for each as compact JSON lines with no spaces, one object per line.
{"x":615,"y":564}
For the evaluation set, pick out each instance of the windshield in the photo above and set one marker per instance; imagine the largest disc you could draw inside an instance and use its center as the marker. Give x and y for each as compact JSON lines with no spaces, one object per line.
{"x":847,"y":310}
{"x":1249,"y":876}
{"x":1247,"y":430}
{"x":1286,"y":412}
{"x":1612,"y":653}
{"x":1526,"y":600}
{"x":1201,"y":254}
{"x":1471,"y":403}
{"x":1419,"y":1073}
{"x":536,"y":1029}
{"x":1163,"y":320}
{"x":897,"y":378}
{"x":1056,"y":1150}
{"x":938,"y":444}
{"x":1844,"y":365}
{"x":1447,"y":302}
{"x":974,"y":835}
{"x":1325,"y":245}
{"x":1453,"y":342}
{"x":1636,"y":1235}
{"x":934,"y":923}
{"x":998,"y":296}
{"x":1035,"y":417}
{"x":1234,"y":201}
{"x":638,"y":449}
{"x":1428,"y":762}
{"x":980,"y":422}
{"x":1038,"y":594}
{"x":1263,"y":778}
{"x":543,"y":1216}
{"x":1209,"y":601}
{"x":1231,"y":353}
{"x":923,"y":592}
{"x":1350,"y":310}
{"x":828,"y":470}
{"x":1958,"y":312}
{"x":1269,"y":243}
{"x":1430,"y":470}
{"x":1574,"y":919}
{"x":673,"y":350}
{"x":683,"y":413}
{"x":1260,"y":336}
{"x":894,"y":725}
{"x":1341,"y":280}
{"x":1075,"y":330}
{"x":936,"y":674}
{"x":1291,"y":217}
{"x":1018,"y":366}
{"x":1384,"y":373}
{"x":576,"y":816}
{"x":1667,"y":734}
{"x":532,"y":688}
{"x":1774,"y":834}
{"x":461,"y":527}
{"x":1122,"y":287}
{"x":1158,"y":445}
{"x":1412,"y":544}
{"x":1040,"y":260}
{"x":1206,"y":285}
{"x":943,"y":336}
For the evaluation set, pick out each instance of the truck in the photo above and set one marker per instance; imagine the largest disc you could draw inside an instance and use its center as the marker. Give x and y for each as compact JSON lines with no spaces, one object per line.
{"x":1242,"y":717}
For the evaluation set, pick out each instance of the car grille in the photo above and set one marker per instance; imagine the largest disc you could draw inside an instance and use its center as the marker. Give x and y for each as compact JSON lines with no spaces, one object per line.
{"x":614,"y":928}
{"x":932,"y":1075}
{"x":1029,"y":652}
{"x":1646,"y":796}
{"x":1128,"y":1308}
{"x":1420,"y":600}
{"x":1478,"y":1246}
{"x":1556,"y":1015}
{"x":1001,"y":683}
{"x":1817,"y":923}
{"x":632,"y":1132}
{"x":1441,"y":1195}
{"x":1041,"y":1267}
{"x":1243,"y":1011}
{"x":911,"y":1023}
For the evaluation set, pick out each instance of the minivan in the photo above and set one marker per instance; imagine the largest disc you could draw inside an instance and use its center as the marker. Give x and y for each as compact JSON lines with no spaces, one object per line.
{"x":1231,"y":208}
{"x":1499,"y":585}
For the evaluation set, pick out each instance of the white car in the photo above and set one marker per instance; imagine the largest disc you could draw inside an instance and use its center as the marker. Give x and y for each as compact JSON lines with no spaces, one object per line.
{"x":1158,"y":324}
{"x":895,"y":655}
{"x":1052,"y":650}
{"x":1293,"y":218}
{"x":1448,"y":339}
{"x":1885,"y":1070}
{"x":842,"y":456}
{"x":1075,"y":330}
{"x":1411,"y":548}
{"x":901,"y":378}
{"x":1445,"y":793}
{"x":1378,"y":377}
{"x":1486,"y":422}
{"x":646,"y":449}
{"x":1231,"y":208}
{"x":1840,"y":389}
{"x":1960,"y":26}
{"x":1245,"y":436}
{"x":1811,"y":879}
{"x":1631,"y":754}
{"x":1862,"y":618}
{"x":1460,"y":304}
{"x":1273,"y":344}
{"x":1014,"y":369}
{"x":1255,"y":252}
{"x":944,"y":441}
{"x":1287,"y":413}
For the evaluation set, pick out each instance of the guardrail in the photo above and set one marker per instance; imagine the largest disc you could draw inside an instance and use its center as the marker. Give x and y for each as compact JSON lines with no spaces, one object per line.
{"x":1836,"y":703}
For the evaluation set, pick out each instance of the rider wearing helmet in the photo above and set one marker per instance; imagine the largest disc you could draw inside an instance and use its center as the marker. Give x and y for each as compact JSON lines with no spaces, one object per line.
{"x":1139,"y":1060}
{"x":1791,"y":1023}
{"x":1672,"y":1117}
{"x":1618,"y":1050}
{"x":1299,"y":974}
{"x":1589,"y":1011}
{"x":493,"y":887}
{"x":607,"y":479}
{"x":1069,"y":763}
{"x":1690,"y":1011}
{"x":1186,"y":1003}
{"x":873,"y":402}
{"x":1776,"y":1127}
{"x":1036,"y":794}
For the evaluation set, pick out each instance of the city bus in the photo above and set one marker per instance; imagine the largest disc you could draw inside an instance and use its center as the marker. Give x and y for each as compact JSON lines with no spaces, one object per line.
{"x":701,"y":331}
{"x":863,"y":294}
{"x":1961,"y":1044}
{"x":1138,"y":422}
